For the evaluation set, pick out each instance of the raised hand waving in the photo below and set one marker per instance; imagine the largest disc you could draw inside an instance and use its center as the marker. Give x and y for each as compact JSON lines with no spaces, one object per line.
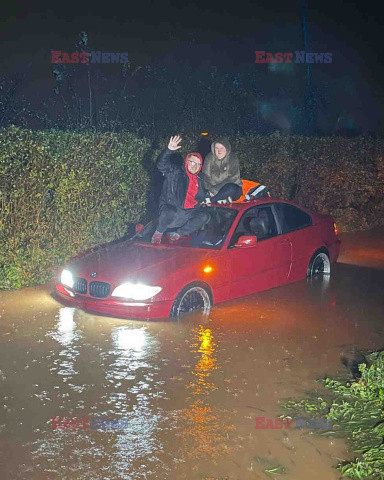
{"x":174,"y":143}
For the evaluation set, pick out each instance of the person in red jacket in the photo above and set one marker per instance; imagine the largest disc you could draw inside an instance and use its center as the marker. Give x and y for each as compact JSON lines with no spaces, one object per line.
{"x":182,"y":193}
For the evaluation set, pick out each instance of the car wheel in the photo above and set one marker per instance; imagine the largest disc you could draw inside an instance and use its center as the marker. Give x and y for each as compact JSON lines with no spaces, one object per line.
{"x":319,"y":264}
{"x":192,"y":298}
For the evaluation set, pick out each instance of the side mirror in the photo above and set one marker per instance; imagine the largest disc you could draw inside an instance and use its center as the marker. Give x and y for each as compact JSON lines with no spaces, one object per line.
{"x":138,"y":227}
{"x":246,"y":241}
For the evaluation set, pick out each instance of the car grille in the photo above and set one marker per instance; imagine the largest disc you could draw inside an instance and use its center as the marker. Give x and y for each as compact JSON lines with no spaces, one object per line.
{"x":99,"y":289}
{"x":80,"y":285}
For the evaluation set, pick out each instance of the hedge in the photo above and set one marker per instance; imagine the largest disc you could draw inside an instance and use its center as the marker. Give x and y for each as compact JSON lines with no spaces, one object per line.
{"x":62,"y":193}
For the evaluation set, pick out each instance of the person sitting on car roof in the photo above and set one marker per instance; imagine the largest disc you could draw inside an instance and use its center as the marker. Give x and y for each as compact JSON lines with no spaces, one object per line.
{"x":221,"y":172}
{"x":222,"y":177}
{"x":183,"y":191}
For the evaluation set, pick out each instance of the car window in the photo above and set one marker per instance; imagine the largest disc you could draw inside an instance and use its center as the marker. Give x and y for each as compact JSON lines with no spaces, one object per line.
{"x":292,"y":217}
{"x":257,"y":221}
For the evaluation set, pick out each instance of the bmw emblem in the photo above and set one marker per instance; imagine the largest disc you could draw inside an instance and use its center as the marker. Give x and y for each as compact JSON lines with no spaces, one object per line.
{"x":93,"y":274}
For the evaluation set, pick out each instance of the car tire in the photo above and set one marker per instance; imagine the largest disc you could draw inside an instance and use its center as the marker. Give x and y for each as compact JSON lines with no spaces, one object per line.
{"x":194,"y":297}
{"x":319,"y":264}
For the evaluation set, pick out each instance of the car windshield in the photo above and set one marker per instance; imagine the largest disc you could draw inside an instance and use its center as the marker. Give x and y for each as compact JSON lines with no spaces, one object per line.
{"x":211,"y":236}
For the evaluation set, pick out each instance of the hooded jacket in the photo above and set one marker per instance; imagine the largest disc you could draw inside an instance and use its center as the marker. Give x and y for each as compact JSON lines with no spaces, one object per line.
{"x":181,"y":188}
{"x":218,"y":172}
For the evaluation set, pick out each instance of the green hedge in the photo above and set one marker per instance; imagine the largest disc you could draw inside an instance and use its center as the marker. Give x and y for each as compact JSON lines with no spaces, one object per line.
{"x":62,"y":193}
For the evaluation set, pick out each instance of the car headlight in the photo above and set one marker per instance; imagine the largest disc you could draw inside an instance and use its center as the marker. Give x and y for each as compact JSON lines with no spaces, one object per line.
{"x":67,"y":278}
{"x":136,"y":291}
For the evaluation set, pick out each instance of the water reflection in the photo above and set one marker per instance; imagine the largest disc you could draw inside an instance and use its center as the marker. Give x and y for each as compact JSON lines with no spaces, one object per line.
{"x":131,"y":348}
{"x":128,"y":339}
{"x":204,"y":429}
{"x":66,"y":333}
{"x":318,"y":285}
{"x":206,"y":364}
{"x":65,"y":326}
{"x":119,"y":380}
{"x":131,"y":385}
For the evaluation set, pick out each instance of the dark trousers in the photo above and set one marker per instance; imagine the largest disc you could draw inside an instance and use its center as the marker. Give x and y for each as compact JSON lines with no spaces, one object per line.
{"x":182,"y":220}
{"x":228,"y":190}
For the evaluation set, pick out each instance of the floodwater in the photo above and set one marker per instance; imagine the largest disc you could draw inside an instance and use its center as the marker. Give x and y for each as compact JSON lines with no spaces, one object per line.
{"x":188,"y":391}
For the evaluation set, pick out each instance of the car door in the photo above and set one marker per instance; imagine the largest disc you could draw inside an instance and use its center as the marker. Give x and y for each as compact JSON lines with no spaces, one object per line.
{"x":257,"y":267}
{"x":297,"y":228}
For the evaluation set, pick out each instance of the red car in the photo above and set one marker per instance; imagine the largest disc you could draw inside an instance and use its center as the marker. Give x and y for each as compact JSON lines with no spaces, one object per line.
{"x":244,"y":248}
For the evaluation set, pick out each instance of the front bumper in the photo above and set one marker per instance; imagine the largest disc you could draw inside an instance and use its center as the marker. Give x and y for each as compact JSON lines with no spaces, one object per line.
{"x":115,"y":308}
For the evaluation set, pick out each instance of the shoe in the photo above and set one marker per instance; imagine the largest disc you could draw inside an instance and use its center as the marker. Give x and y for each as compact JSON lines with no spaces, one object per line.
{"x":229,"y":199}
{"x":247,"y":197}
{"x":174,"y":236}
{"x":156,"y":238}
{"x":207,"y":201}
{"x":259,"y":192}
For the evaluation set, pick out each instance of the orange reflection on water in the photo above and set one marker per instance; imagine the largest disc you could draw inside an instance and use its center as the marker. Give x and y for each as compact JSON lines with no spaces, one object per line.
{"x":206,"y":364}
{"x":204,"y":430}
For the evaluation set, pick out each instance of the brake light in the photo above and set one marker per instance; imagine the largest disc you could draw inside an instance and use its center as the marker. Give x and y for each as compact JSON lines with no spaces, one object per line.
{"x":335,"y":228}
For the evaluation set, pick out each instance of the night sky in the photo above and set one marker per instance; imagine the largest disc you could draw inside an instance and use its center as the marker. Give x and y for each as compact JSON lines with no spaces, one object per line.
{"x":202,"y":33}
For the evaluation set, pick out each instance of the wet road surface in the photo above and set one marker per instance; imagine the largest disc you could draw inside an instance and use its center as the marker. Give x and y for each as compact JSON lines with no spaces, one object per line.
{"x":187,"y":392}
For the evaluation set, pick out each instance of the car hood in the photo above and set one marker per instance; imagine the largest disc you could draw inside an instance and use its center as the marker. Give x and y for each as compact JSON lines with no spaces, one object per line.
{"x":146,"y":262}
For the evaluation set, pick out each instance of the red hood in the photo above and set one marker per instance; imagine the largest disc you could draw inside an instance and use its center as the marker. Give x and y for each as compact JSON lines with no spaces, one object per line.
{"x":193,"y":154}
{"x":144,"y":262}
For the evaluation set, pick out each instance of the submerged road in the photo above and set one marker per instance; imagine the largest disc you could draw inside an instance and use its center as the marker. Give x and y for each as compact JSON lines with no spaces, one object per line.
{"x":186,"y":394}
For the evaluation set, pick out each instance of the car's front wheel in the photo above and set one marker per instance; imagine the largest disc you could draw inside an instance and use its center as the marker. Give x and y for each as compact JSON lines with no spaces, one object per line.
{"x":192,"y":298}
{"x":319,"y":264}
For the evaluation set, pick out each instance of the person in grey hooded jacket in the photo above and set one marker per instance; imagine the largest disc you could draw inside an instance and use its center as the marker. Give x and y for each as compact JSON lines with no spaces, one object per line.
{"x":221,"y":172}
